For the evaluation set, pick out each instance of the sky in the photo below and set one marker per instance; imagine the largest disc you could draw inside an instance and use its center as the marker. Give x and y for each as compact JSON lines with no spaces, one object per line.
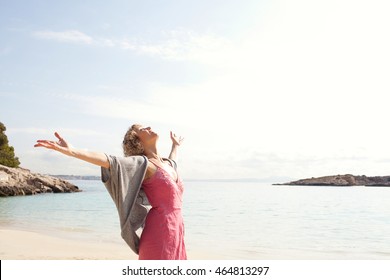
{"x":270,"y":90}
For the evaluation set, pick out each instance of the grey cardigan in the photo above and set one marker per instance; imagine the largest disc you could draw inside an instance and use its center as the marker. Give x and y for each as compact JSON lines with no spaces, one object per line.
{"x":123,"y":181}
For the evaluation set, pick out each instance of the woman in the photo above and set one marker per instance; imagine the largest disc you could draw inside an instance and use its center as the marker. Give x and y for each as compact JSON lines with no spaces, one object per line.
{"x":139,"y":179}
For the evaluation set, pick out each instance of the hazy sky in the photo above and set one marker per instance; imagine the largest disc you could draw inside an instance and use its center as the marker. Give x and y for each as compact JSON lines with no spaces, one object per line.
{"x":258,"y":89}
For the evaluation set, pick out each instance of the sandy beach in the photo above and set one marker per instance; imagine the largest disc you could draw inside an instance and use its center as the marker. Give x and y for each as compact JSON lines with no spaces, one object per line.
{"x":18,"y":244}
{"x":25,"y":245}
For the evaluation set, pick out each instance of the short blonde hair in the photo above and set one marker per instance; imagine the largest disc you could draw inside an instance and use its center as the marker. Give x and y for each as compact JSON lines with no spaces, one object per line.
{"x":132,"y":146}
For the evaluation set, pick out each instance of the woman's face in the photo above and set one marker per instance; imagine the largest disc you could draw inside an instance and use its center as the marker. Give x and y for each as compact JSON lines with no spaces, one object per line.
{"x":146,"y":134}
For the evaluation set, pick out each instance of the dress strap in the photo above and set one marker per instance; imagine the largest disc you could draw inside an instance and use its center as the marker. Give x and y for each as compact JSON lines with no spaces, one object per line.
{"x":158,"y":163}
{"x":172,"y":162}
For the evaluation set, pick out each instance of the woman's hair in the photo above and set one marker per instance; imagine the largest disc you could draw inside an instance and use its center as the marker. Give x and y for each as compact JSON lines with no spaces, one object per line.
{"x":131,"y":144}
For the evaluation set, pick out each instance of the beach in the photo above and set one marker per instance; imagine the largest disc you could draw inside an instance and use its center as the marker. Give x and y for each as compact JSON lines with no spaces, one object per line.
{"x":26,"y":245}
{"x":18,"y":244}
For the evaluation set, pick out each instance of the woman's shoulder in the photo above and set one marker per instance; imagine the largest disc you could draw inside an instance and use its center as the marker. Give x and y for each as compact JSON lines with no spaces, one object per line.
{"x":171,"y":162}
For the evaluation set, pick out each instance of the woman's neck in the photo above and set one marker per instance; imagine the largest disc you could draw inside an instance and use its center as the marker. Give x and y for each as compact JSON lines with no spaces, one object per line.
{"x":152,"y":153}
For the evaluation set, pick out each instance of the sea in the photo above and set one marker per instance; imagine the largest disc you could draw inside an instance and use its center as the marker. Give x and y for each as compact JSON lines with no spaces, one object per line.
{"x":229,"y":220}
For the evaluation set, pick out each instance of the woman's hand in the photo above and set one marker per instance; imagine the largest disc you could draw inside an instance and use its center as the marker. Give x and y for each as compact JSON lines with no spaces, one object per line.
{"x":176,"y":140}
{"x":61,"y":145}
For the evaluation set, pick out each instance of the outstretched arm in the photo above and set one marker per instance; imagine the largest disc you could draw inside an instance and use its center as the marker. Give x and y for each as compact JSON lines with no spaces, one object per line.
{"x":63,"y":147}
{"x":176,"y":142}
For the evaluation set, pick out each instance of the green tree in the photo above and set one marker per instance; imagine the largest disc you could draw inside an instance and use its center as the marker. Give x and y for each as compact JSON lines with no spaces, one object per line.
{"x":7,"y":153}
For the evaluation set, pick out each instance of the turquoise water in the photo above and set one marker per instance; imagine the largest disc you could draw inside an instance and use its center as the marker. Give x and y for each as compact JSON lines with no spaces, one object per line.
{"x":230,"y":220}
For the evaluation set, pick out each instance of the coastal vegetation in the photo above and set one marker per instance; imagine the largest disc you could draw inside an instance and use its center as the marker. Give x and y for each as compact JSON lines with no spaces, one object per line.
{"x":7,"y":152}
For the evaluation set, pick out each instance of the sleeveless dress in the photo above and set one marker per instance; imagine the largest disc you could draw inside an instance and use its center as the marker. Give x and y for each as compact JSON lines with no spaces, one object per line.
{"x":163,"y":235}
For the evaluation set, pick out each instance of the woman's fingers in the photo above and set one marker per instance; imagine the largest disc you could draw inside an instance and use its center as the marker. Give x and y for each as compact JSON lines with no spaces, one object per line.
{"x":56,"y":134}
{"x":45,"y":144}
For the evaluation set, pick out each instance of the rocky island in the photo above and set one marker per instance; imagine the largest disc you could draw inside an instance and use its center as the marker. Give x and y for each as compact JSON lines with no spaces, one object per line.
{"x":20,"y":181}
{"x":343,"y":180}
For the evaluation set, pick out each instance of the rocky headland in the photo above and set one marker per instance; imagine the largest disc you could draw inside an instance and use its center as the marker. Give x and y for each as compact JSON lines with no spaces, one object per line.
{"x":20,"y":181}
{"x":343,"y":180}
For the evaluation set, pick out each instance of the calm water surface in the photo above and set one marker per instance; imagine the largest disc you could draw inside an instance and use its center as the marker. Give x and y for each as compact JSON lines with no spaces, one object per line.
{"x":230,"y":220}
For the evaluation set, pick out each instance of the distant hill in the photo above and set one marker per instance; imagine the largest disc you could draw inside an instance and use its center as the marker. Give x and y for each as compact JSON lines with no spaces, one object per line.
{"x":343,"y":180}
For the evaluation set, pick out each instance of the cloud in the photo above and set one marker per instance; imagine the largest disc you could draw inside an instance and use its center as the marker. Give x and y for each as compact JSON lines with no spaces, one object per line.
{"x":179,"y":45}
{"x":47,"y":131}
{"x":125,"y":108}
{"x":172,"y":45}
{"x":68,"y":36}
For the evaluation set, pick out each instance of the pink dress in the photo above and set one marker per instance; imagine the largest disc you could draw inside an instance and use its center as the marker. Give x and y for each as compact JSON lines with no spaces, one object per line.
{"x":163,"y":235}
